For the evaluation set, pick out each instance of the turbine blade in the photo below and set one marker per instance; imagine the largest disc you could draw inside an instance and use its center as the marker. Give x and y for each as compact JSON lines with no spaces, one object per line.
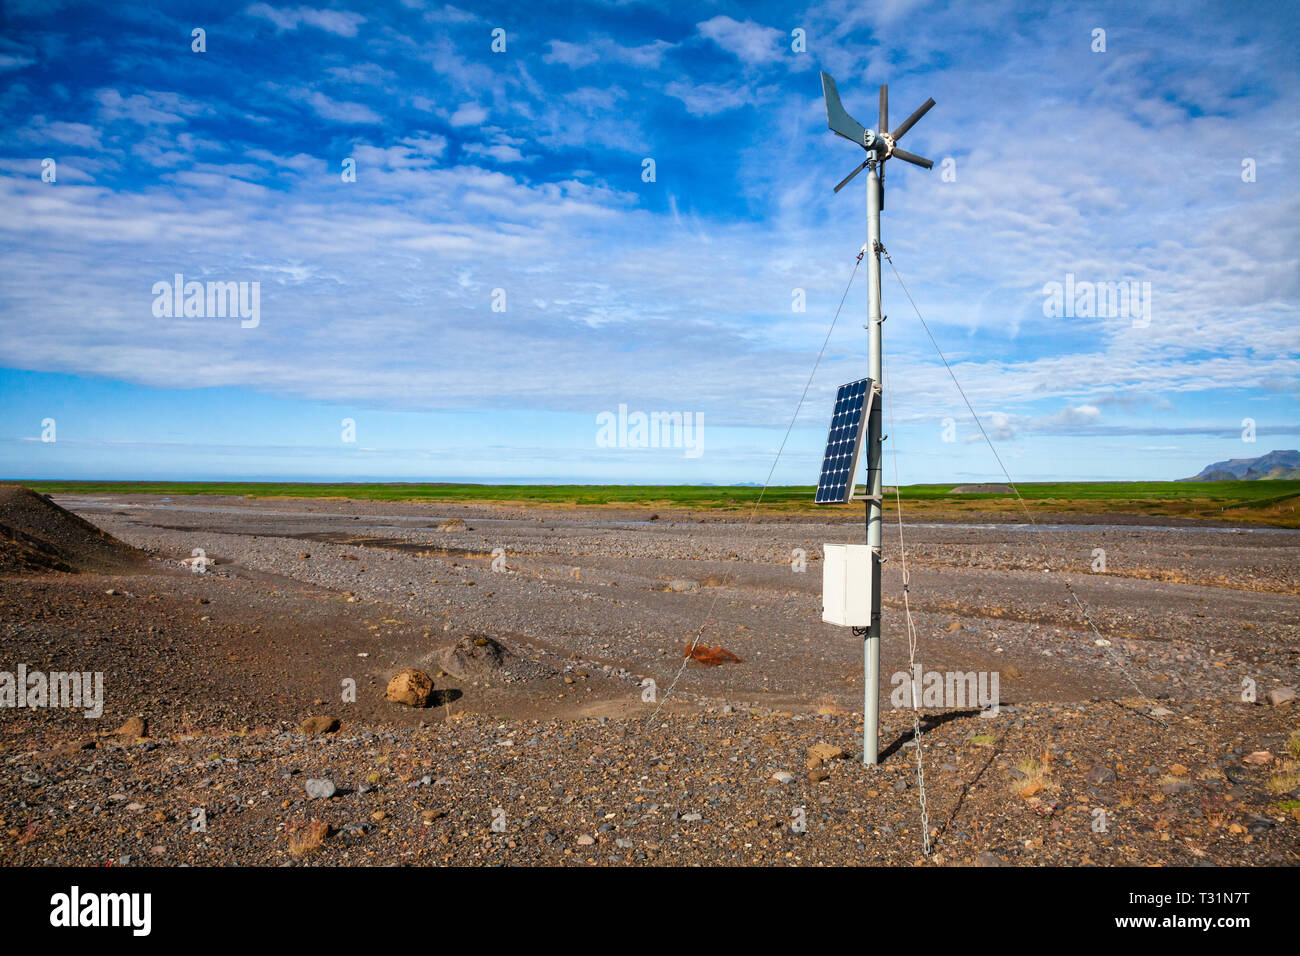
{"x":837,"y":119}
{"x":884,"y":108}
{"x":912,"y":158}
{"x":911,"y":120}
{"x":845,"y":181}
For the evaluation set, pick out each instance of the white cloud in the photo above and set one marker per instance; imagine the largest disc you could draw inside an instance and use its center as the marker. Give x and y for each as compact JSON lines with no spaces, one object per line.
{"x":469,"y":114}
{"x":336,"y":110}
{"x":709,"y":99}
{"x":501,"y":152}
{"x":70,"y":134}
{"x":603,"y":49}
{"x":450,"y":14}
{"x":751,"y":42}
{"x":150,"y":108}
{"x":344,"y":23}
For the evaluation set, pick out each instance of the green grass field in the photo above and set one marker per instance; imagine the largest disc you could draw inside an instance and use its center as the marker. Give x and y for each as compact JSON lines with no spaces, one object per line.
{"x":1270,"y":502}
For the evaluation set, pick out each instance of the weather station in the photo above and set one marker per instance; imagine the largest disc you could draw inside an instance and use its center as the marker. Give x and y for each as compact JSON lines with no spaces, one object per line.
{"x":851,"y":572}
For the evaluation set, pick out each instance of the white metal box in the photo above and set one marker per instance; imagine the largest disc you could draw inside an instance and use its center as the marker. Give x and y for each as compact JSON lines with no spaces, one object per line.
{"x":846,"y":585}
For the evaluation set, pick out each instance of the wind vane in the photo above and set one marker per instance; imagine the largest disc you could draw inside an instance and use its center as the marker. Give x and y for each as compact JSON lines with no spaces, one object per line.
{"x":851,"y":572}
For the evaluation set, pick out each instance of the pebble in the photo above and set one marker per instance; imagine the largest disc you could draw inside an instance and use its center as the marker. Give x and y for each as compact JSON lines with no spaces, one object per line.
{"x":320,"y":788}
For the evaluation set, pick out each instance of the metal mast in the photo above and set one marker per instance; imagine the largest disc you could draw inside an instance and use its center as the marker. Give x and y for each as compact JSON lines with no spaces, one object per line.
{"x":880,"y":147}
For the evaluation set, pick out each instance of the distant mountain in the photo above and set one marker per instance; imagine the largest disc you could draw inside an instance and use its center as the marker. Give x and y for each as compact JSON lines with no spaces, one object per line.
{"x":1273,"y":466}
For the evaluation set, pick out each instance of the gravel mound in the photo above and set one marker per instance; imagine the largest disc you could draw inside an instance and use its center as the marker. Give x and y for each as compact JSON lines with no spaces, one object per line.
{"x":38,"y":535}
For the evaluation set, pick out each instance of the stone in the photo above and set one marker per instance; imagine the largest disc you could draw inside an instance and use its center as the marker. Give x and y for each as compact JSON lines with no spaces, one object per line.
{"x":319,"y":725}
{"x":783,"y":776}
{"x":586,"y":840}
{"x":319,"y":788}
{"x":1258,"y":824}
{"x":1101,"y":774}
{"x":134,"y":727}
{"x":825,"y":752}
{"x":452,"y":524}
{"x":987,"y":858}
{"x":1172,"y":787}
{"x":683,"y":584}
{"x":1280,"y":696}
{"x":818,"y":774}
{"x":411,"y":687}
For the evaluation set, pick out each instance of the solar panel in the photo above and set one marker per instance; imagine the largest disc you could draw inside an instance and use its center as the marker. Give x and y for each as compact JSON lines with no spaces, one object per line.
{"x":844,"y":443}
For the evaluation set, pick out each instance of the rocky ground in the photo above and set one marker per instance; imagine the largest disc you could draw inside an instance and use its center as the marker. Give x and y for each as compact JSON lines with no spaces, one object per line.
{"x":1130,"y":747}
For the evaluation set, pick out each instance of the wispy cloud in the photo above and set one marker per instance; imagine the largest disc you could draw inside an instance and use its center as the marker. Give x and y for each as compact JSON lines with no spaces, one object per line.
{"x":341,"y":22}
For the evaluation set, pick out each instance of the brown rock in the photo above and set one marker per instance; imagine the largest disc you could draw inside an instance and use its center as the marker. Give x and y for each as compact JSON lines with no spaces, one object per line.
{"x":411,"y":687}
{"x":134,"y":727}
{"x":319,"y":725}
{"x":1030,"y":789}
{"x":1280,"y":696}
{"x":824,"y":752}
{"x":818,"y":774}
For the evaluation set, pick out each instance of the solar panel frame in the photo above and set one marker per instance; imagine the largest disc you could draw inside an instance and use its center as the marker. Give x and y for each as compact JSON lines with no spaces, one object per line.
{"x":844,"y":442}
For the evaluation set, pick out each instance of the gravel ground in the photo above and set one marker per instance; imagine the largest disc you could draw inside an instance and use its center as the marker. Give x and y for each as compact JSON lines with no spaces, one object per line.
{"x":305,"y":595}
{"x":696,"y":789}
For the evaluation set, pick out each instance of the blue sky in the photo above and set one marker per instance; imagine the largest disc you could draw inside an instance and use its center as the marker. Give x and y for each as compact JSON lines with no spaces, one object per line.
{"x":522,"y":171}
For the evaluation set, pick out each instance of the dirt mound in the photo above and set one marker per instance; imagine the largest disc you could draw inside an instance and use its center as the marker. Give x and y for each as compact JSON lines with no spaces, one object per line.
{"x":38,"y":535}
{"x":473,"y":656}
{"x":981,"y":490}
